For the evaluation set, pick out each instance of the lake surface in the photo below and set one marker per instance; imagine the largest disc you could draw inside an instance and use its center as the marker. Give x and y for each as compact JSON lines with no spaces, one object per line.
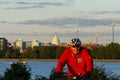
{"x":44,"y":68}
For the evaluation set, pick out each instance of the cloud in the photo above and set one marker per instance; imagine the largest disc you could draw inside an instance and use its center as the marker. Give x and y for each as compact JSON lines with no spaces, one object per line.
{"x":66,"y":34}
{"x":4,"y":2}
{"x":85,"y":36}
{"x":29,"y":5}
{"x":3,"y":22}
{"x":69,"y":21}
{"x":107,"y":12}
{"x":27,"y":34}
{"x":99,"y":12}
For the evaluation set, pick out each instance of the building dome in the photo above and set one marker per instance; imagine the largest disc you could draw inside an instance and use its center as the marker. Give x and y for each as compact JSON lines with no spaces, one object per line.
{"x":55,"y":40}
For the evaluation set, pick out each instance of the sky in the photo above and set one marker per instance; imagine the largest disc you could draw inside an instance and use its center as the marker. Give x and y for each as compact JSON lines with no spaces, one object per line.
{"x":42,"y":19}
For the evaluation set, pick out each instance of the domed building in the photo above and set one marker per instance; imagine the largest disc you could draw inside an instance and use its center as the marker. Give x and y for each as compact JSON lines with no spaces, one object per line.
{"x":55,"y":40}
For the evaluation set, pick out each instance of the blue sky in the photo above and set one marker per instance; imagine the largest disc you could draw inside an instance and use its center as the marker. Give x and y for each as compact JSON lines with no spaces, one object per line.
{"x":41,"y":19}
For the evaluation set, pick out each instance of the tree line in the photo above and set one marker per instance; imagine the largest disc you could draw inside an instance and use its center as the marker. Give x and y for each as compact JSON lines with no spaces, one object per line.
{"x":44,"y":52}
{"x":110,"y":51}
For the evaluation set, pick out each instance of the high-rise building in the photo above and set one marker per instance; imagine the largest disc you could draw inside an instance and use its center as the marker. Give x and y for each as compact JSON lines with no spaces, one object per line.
{"x":28,"y":44}
{"x":3,"y":44}
{"x":20,"y":44}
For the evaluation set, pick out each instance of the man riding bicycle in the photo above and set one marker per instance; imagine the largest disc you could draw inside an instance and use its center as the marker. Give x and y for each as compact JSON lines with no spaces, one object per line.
{"x":78,"y":59}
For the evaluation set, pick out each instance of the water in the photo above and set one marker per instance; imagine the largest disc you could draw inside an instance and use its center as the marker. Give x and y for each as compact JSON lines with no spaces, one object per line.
{"x":113,"y":67}
{"x":44,"y":68}
{"x":41,"y":68}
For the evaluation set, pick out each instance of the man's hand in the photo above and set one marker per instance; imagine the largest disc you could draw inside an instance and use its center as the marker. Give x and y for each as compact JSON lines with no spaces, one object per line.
{"x":87,"y":74}
{"x":58,"y":74}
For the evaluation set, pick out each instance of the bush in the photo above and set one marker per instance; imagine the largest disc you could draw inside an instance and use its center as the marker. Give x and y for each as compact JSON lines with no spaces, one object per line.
{"x":53,"y":75}
{"x":18,"y":71}
{"x":98,"y":73}
{"x":39,"y":77}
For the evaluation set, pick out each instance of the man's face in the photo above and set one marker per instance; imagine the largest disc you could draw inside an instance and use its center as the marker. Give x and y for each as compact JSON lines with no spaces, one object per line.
{"x":75,"y":49}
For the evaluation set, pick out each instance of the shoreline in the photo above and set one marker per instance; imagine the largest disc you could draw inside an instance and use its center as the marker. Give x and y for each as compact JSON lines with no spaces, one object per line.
{"x":106,"y":60}
{"x":55,"y":60}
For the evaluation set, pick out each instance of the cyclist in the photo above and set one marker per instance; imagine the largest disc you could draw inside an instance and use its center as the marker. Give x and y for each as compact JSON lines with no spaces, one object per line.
{"x":78,"y":59}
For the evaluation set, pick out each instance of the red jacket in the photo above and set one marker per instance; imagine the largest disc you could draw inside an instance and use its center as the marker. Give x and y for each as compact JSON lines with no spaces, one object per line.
{"x":77,"y":64}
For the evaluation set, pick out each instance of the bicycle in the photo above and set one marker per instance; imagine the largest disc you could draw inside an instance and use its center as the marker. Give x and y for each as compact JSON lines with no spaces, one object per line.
{"x":65,"y":77}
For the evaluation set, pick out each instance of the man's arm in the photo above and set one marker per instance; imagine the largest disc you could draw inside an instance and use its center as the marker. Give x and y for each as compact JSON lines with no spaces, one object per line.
{"x":89,"y":61}
{"x":62,"y":61}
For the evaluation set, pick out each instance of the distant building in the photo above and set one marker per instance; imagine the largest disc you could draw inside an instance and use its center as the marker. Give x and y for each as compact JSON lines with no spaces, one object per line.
{"x":28,"y":44}
{"x":64,"y":45}
{"x":32,"y":43}
{"x":46,"y":44}
{"x":19,"y":44}
{"x":55,"y":40}
{"x":35,"y":43}
{"x":3,"y":44}
{"x":89,"y":45}
{"x":22,"y":45}
{"x":119,"y":43}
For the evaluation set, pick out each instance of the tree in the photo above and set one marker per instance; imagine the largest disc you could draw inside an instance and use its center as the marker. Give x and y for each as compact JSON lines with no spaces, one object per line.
{"x":2,"y":53}
{"x":111,"y":51}
{"x":35,"y":52}
{"x":18,"y":71}
{"x":12,"y":53}
{"x":59,"y":51}
{"x":27,"y":53}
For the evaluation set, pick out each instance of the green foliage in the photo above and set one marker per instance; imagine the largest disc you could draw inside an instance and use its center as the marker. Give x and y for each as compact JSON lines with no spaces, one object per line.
{"x":98,"y":73}
{"x":27,"y":53}
{"x":50,"y":52}
{"x":111,"y":51}
{"x":45,"y":52}
{"x":41,"y":78}
{"x":2,"y":53}
{"x":53,"y":75}
{"x":18,"y":71}
{"x":35,"y":52}
{"x":15,"y":53}
{"x":59,"y":51}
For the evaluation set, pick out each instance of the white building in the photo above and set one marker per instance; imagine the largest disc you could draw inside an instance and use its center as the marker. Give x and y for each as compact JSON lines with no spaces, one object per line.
{"x":55,"y":40}
{"x":35,"y":43}
{"x":20,"y":44}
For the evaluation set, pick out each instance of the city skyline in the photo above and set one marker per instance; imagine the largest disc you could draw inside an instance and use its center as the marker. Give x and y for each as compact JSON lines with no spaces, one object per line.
{"x":41,"y":19}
